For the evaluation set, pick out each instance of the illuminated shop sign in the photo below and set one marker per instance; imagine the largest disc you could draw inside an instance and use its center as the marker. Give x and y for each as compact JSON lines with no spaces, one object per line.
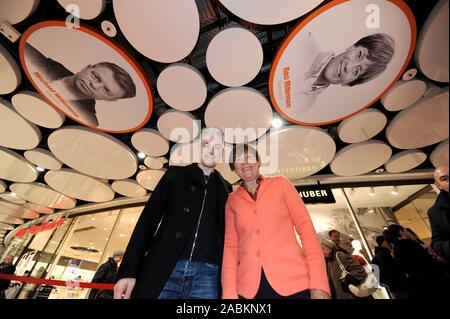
{"x":316,"y":194}
{"x":40,"y":228}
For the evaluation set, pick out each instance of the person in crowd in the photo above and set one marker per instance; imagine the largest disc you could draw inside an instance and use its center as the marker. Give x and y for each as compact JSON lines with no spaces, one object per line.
{"x":425,"y":278}
{"x":106,"y":274}
{"x":438,"y":214}
{"x":390,"y":274}
{"x":7,"y":267}
{"x":335,"y":236}
{"x":334,"y":271}
{"x":413,"y":236}
{"x":262,"y":258}
{"x":176,"y":248}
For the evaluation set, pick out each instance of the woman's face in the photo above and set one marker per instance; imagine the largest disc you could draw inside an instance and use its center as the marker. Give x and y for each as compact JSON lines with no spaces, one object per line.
{"x":326,"y":251}
{"x":247,"y":167}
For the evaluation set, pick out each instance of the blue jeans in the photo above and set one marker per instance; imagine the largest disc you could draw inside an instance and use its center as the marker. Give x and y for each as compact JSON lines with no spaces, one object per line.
{"x":192,"y":280}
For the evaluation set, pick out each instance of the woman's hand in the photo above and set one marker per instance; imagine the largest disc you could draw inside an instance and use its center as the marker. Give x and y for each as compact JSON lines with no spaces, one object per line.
{"x":319,"y":294}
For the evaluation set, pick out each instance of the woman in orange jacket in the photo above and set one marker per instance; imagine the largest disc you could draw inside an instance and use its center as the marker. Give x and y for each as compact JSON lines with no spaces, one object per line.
{"x":262,"y":258}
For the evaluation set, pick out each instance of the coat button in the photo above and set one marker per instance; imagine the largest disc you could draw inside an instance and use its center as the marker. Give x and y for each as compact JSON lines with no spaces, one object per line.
{"x":187,"y":210}
{"x":193,"y":189}
{"x":178,"y":235}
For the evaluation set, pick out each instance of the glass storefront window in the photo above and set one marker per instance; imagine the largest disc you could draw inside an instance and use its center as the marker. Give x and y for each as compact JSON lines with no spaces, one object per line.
{"x":336,"y":216}
{"x":374,"y":208}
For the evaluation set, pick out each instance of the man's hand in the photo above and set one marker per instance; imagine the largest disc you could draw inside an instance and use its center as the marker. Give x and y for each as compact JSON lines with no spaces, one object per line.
{"x":123,"y":288}
{"x":319,"y":294}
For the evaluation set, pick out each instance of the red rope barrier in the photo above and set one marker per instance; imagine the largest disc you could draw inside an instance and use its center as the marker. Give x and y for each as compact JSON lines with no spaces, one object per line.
{"x":71,"y":284}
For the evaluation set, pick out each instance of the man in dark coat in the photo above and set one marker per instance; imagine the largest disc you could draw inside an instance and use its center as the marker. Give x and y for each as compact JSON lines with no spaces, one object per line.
{"x":438,"y":214}
{"x":176,"y":248}
{"x":7,"y":268}
{"x":106,"y":274}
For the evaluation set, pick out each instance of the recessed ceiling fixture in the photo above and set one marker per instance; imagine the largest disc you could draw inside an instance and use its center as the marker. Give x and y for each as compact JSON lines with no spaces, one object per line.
{"x":372,"y":191}
{"x":394,"y":190}
{"x":141,"y":155}
{"x":277,"y":123}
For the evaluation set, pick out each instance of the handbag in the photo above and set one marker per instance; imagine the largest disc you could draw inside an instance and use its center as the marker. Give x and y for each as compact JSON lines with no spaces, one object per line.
{"x":360,"y":289}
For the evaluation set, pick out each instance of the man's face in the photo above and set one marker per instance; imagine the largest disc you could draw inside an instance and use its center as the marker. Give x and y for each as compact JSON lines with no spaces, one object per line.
{"x":441,"y":178}
{"x":9,"y":260}
{"x":98,"y":82}
{"x":347,"y":66}
{"x":247,"y":167}
{"x":335,"y":237}
{"x":212,"y":146}
{"x":118,"y":259}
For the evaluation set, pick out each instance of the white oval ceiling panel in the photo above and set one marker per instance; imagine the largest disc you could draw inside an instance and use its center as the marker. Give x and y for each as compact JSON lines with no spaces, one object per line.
{"x":34,"y":108}
{"x":405,"y":161}
{"x":43,"y":195}
{"x":3,"y":186}
{"x":17,"y":10}
{"x":4,"y":226}
{"x":153,"y":163}
{"x":403,"y":94}
{"x":43,"y":158}
{"x":39,"y":208}
{"x":431,"y":52}
{"x":295,"y":151}
{"x":179,"y":127}
{"x":360,"y":158}
{"x":149,"y":178}
{"x":236,"y":66}
{"x":14,"y":167}
{"x":129,"y":188}
{"x":269,"y":12}
{"x":243,"y":114}
{"x":12,"y":198}
{"x":150,"y":142}
{"x":14,"y":210}
{"x":362,"y":126}
{"x":10,"y":75}
{"x":439,"y":156}
{"x":171,"y":28}
{"x":15,"y":131}
{"x":182,"y":87}
{"x":80,"y":186}
{"x":84,"y":9}
{"x":93,"y":153}
{"x":11,"y":220}
{"x":423,"y":124}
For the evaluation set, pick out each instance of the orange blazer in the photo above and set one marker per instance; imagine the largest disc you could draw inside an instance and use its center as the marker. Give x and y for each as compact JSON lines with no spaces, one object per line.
{"x":261,"y":235}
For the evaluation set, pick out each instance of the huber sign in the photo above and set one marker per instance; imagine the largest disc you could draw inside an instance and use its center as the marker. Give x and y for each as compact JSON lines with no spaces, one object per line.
{"x":316,"y":194}
{"x":40,"y":228}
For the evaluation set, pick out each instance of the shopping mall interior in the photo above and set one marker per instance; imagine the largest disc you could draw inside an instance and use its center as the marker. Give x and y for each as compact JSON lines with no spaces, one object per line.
{"x":77,"y":165}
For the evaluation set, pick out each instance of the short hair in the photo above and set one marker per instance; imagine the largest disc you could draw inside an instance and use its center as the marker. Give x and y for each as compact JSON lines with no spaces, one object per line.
{"x":238,"y":150}
{"x":330,"y":233}
{"x":212,"y":131}
{"x":122,"y":77}
{"x":380,"y":47}
{"x":392,"y":233}
{"x":379,"y":240}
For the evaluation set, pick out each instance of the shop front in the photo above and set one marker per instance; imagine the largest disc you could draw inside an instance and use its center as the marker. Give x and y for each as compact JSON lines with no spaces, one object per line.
{"x":70,"y":246}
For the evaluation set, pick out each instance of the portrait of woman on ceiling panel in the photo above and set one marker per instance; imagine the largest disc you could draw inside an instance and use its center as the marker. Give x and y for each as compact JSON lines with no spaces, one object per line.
{"x":87,"y":77}
{"x":341,"y":59}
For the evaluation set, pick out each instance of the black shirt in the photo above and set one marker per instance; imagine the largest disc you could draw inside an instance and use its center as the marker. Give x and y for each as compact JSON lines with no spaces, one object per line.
{"x":206,"y":245}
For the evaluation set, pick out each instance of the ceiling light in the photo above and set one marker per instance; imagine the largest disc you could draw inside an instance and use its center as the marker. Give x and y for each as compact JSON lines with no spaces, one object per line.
{"x":371,"y":211}
{"x":372,"y":191}
{"x":141,"y":155}
{"x":121,"y":235}
{"x":40,"y":169}
{"x":105,"y":228}
{"x":133,"y":219}
{"x":277,"y":123}
{"x":394,"y":190}
{"x":93,"y":218}
{"x":13,"y":194}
